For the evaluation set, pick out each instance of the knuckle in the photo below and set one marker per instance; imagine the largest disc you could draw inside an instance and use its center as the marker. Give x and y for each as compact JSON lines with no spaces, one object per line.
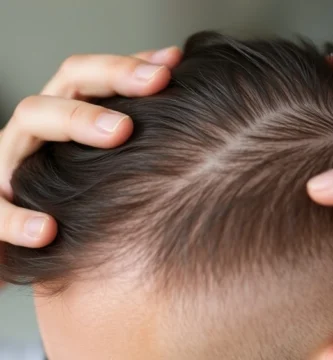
{"x":77,"y":113}
{"x":115,"y":61}
{"x":125,"y":64}
{"x":65,"y":74}
{"x":26,"y":106}
{"x":69,"y":63}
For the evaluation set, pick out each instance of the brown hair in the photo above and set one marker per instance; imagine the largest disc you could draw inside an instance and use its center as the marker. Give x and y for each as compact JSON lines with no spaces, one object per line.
{"x":213,"y":181}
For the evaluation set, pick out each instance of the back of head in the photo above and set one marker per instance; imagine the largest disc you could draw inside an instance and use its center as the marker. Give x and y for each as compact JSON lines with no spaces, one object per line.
{"x":207,"y":201}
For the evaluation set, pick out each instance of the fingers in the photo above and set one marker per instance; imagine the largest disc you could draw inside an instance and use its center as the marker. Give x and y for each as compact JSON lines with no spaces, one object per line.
{"x":25,"y":227}
{"x":320,"y":188}
{"x":169,"y":57}
{"x":83,"y":76}
{"x":46,"y":118}
{"x":54,"y":118}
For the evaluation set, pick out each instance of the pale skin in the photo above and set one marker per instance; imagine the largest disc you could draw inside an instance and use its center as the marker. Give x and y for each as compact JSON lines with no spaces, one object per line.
{"x":70,"y":118}
{"x":60,"y":113}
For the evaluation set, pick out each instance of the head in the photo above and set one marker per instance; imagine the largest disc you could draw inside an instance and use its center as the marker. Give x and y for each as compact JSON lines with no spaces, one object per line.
{"x":196,"y":239}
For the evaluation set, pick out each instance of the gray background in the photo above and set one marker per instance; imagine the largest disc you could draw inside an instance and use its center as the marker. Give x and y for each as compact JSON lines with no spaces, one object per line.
{"x":37,"y":35}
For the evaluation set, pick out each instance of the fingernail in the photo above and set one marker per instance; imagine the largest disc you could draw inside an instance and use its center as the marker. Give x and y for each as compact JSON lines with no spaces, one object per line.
{"x":146,"y":72}
{"x":322,"y":182}
{"x":34,"y":227}
{"x":160,"y":55}
{"x":108,"y":122}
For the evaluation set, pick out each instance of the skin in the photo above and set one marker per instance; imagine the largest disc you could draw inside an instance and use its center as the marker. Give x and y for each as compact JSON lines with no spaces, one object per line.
{"x":124,"y":318}
{"x":70,"y":320}
{"x":101,"y":318}
{"x":69,"y":117}
{"x":320,"y":188}
{"x":61,"y":102}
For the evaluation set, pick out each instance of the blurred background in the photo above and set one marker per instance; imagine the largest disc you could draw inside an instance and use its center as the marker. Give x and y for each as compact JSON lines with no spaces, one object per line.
{"x":37,"y":35}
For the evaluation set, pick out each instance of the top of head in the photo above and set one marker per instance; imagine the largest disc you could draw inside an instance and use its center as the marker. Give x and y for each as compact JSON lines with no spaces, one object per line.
{"x":212,"y":185}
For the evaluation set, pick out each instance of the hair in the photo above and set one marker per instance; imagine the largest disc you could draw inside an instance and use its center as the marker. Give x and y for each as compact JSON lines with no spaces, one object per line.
{"x":212,"y":184}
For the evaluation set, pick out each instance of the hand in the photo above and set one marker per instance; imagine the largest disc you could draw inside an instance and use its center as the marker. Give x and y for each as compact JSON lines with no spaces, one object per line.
{"x":60,"y":114}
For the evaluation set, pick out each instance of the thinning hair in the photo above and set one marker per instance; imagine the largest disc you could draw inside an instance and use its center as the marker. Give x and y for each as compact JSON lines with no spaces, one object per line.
{"x":212,"y":183}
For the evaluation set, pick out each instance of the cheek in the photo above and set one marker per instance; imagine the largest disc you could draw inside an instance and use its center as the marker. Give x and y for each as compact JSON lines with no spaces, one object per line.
{"x":96,"y":323}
